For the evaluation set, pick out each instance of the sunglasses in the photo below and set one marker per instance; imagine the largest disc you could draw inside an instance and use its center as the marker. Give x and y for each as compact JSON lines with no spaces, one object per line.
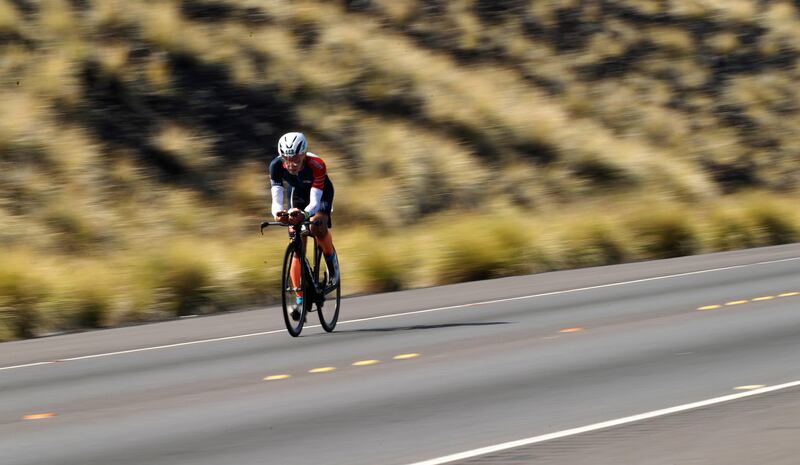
{"x":294,"y":157}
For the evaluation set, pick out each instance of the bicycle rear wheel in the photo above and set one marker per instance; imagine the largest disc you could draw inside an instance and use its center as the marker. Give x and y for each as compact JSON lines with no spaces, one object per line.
{"x":328,"y":310}
{"x":293,"y":315}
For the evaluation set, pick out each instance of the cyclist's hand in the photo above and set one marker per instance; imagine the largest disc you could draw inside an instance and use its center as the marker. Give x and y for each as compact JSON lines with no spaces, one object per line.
{"x":282,"y":216}
{"x":296,"y":216}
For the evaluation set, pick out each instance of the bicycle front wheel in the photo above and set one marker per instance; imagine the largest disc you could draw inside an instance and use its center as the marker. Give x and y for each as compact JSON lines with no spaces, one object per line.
{"x":328,"y":310}
{"x":293,"y":315}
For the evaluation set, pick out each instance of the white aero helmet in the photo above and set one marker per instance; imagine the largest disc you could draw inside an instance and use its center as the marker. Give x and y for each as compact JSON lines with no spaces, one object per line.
{"x":292,"y":144}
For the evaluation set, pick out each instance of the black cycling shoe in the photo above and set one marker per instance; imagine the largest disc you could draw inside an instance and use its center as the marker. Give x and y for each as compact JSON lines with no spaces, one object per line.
{"x":332,"y":263}
{"x":295,"y":312}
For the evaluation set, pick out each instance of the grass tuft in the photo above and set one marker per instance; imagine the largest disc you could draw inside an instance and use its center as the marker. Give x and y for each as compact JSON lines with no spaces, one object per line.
{"x":730,"y":229}
{"x":85,"y":299}
{"x":664,"y":232}
{"x":775,"y":223}
{"x":9,"y":17}
{"x":383,"y":267}
{"x":257,"y":262}
{"x":75,"y":232}
{"x":593,"y":242}
{"x":483,"y":248}
{"x":22,"y":293}
{"x":180,"y":278}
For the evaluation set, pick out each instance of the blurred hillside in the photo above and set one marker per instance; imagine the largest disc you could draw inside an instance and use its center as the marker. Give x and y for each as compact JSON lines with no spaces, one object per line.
{"x":135,"y":134}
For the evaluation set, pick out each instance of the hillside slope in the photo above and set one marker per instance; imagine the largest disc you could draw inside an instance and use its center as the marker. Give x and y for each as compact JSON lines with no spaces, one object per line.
{"x":135,"y":137}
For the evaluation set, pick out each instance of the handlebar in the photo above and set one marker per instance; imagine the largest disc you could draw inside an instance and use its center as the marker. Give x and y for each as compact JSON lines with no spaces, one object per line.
{"x":266,"y":224}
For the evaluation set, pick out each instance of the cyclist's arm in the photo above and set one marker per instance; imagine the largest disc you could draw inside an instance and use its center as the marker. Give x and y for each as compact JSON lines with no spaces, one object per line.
{"x":276,"y":189}
{"x":319,"y":173}
{"x":277,"y":199}
{"x":314,"y":201}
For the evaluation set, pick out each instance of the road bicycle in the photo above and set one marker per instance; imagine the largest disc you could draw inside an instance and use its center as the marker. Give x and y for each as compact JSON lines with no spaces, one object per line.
{"x":318,"y":295}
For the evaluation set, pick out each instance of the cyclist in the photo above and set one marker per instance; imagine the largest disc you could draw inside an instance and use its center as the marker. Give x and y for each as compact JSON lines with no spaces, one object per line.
{"x":310,"y":197}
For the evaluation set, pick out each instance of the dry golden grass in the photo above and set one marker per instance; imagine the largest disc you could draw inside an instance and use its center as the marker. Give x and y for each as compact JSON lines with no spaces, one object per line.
{"x":246,"y":188}
{"x":675,"y":41}
{"x":446,"y":149}
{"x":113,"y":58}
{"x":185,"y":273}
{"x":692,"y":8}
{"x":21,"y":118}
{"x":56,"y":20}
{"x":649,"y":7}
{"x":724,"y":43}
{"x":53,"y":75}
{"x":191,"y":147}
{"x":398,"y":10}
{"x":591,"y":241}
{"x":162,"y":25}
{"x":9,"y":16}
{"x":742,"y":11}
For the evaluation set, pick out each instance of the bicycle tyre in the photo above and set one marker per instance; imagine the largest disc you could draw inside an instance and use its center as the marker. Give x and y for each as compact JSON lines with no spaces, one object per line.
{"x":294,"y":327}
{"x":327,"y":316}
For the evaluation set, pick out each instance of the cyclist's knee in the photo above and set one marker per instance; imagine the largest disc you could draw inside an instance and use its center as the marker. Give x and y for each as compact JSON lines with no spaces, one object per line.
{"x":321,"y":227}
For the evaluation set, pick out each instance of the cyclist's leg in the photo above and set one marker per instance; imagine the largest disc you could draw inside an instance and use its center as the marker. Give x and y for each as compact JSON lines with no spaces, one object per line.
{"x":322,"y":233}
{"x":324,"y":237}
{"x":325,"y":243}
{"x":324,"y":223}
{"x":297,"y":201}
{"x":295,"y":273}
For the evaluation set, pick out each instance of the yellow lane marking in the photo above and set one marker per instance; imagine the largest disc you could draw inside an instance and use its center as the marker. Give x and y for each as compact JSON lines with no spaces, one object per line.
{"x":277,"y":377}
{"x":362,"y":363}
{"x":405,"y":356}
{"x":710,"y":307}
{"x":322,"y":370}
{"x":571,"y":330}
{"x":38,"y":416}
{"x":756,"y":299}
{"x":750,"y":387}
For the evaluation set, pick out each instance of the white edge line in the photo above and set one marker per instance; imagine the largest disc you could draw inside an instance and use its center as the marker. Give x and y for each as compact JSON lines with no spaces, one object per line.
{"x":167,"y":346}
{"x":567,"y":291}
{"x":143,"y":349}
{"x":394,"y":315}
{"x":598,"y":426}
{"x":26,"y":365}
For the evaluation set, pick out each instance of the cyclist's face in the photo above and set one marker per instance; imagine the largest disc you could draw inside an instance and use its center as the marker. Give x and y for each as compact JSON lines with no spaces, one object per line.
{"x":294,"y":164}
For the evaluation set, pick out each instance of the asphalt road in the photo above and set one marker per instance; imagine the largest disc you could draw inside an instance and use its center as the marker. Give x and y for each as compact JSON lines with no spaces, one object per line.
{"x":444,"y":370}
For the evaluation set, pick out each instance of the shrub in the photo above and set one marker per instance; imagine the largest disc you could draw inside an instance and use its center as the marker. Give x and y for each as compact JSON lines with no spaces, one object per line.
{"x":382,"y":268}
{"x":85,"y":299}
{"x":731,"y":229}
{"x":775,"y":224}
{"x":373,"y":261}
{"x":180,"y":276}
{"x":22,"y":292}
{"x":257,"y":264}
{"x":664,"y":232}
{"x":518,"y":248}
{"x":482,"y":248}
{"x":245,"y":189}
{"x":592,"y":242}
{"x":467,"y":258}
{"x":75,"y":231}
{"x":9,"y":17}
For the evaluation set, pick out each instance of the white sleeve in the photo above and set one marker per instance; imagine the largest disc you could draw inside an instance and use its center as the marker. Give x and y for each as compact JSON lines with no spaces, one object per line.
{"x":277,"y":199}
{"x":313,"y":203}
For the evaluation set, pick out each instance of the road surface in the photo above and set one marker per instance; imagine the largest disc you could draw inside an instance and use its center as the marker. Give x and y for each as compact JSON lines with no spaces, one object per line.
{"x":415,"y":376}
